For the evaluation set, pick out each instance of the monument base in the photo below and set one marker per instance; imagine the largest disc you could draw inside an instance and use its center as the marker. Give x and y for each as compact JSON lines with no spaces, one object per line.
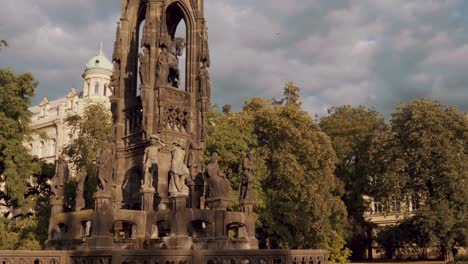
{"x":100,"y":243}
{"x":117,"y":256}
{"x":218,"y":203}
{"x":178,"y":242}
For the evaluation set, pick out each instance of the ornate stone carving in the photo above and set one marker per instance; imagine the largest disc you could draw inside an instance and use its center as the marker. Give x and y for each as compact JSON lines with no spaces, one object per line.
{"x":162,"y":68}
{"x":144,"y":66}
{"x":175,"y":49}
{"x":175,"y":119}
{"x":204,"y":78}
{"x":150,"y":161}
{"x":246,"y":191}
{"x":195,"y":160}
{"x":106,"y":165}
{"x":179,"y":171}
{"x":79,"y":199}
{"x":218,"y":184}
{"x":61,"y":176}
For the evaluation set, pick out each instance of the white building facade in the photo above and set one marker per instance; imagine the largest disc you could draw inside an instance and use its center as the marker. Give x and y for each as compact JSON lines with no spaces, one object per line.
{"x":49,"y":118}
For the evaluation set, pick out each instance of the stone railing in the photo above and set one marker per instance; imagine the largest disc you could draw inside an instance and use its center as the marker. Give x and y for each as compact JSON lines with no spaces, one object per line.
{"x":166,"y":257}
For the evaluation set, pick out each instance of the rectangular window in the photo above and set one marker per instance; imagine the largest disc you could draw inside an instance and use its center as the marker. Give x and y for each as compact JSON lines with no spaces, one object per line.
{"x":378,"y":208}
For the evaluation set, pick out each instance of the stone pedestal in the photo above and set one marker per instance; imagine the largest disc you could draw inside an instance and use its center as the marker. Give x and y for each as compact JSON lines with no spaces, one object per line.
{"x":102,"y":222}
{"x":147,"y":198}
{"x":57,"y":207}
{"x":218,"y":203}
{"x":179,"y":238}
{"x":247,"y":208}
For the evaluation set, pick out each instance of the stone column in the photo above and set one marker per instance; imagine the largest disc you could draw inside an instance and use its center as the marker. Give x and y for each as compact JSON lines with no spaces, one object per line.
{"x":147,"y":199}
{"x":57,"y":207}
{"x":179,"y":238}
{"x":250,"y":218}
{"x":102,"y":222}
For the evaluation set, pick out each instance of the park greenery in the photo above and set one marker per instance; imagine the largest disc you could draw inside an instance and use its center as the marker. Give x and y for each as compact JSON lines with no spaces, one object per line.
{"x":310,"y":178}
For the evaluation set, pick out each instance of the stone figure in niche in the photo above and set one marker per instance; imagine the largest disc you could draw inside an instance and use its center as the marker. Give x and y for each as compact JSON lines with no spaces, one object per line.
{"x":175,"y":50}
{"x":204,"y":105}
{"x":204,"y":78}
{"x":179,"y":171}
{"x":61,"y":176}
{"x":106,"y":165}
{"x":246,"y":191}
{"x":162,"y":68}
{"x":146,"y":35}
{"x":195,"y":161}
{"x":144,"y":66}
{"x":218,"y":184}
{"x":79,"y":194}
{"x":150,"y":161}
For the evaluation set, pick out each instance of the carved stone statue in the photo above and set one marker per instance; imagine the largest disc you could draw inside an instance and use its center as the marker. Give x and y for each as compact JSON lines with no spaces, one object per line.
{"x":144,"y":66}
{"x":205,"y":83}
{"x":150,"y":161}
{"x":179,"y":171}
{"x":246,"y":191}
{"x":195,"y":160}
{"x":106,"y":165}
{"x":204,"y":105}
{"x":61,"y":176}
{"x":218,"y":184}
{"x":176,"y":49}
{"x":79,"y":199}
{"x":162,"y":68}
{"x":146,"y":35}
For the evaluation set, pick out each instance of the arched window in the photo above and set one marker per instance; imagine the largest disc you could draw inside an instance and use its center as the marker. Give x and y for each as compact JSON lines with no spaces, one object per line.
{"x":181,"y":32}
{"x":96,"y":88}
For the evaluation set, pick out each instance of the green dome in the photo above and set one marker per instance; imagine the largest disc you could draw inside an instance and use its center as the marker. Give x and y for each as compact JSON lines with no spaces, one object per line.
{"x":99,"y":62}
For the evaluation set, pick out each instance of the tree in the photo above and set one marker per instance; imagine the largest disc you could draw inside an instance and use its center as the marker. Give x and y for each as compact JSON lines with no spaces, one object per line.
{"x":16,"y":164}
{"x":227,"y":108}
{"x":90,"y":131}
{"x":351,"y":130}
{"x":424,"y":153}
{"x":291,"y":94}
{"x":25,"y":178}
{"x":3,"y":43}
{"x":296,"y":192}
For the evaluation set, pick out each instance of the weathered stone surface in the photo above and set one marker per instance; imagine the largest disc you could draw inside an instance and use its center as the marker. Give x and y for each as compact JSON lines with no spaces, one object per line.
{"x":166,"y":256}
{"x":152,"y":172}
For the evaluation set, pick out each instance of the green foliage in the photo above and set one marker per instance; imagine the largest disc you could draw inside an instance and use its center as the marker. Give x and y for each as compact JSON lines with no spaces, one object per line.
{"x":296,"y":190}
{"x":351,"y":130}
{"x":93,"y":127}
{"x":335,"y":244}
{"x":291,"y":95}
{"x":409,"y":238}
{"x":16,"y":165}
{"x":424,"y":152}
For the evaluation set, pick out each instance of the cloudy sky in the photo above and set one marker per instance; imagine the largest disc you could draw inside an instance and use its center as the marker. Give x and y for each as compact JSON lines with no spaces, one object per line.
{"x":361,"y":52}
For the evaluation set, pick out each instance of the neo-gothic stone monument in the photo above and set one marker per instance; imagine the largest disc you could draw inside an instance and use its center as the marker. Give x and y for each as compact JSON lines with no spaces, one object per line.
{"x":151,"y":172}
{"x":155,"y":191}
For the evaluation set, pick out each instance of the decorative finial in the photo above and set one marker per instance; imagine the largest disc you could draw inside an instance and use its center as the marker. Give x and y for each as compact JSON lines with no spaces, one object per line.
{"x":100,"y":51}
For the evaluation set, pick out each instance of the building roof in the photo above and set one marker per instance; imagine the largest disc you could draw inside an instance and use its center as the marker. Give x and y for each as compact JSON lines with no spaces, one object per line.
{"x":99,"y":62}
